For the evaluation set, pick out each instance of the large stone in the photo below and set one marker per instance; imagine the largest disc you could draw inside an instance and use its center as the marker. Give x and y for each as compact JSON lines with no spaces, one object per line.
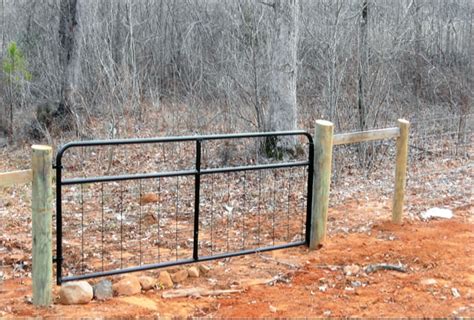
{"x":434,"y":213}
{"x":164,"y":280}
{"x":128,"y":286}
{"x":204,"y":269}
{"x":193,"y":272}
{"x":79,"y":292}
{"x":147,"y":283}
{"x":179,"y":276}
{"x":103,"y":290}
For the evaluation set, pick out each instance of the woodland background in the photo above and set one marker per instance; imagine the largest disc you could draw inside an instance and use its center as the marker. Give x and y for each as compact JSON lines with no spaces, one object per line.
{"x":360,"y":64}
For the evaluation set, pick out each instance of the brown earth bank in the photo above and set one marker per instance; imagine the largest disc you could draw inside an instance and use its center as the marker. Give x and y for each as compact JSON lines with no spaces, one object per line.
{"x":438,"y":256}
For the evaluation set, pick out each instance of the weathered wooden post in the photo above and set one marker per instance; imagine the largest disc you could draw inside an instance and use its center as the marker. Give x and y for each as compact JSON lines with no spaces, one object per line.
{"x":400,"y":170}
{"x":41,"y":205}
{"x":321,"y":181}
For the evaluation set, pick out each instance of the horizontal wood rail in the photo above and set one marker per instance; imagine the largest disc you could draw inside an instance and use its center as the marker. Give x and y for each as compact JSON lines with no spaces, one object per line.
{"x":370,"y":135}
{"x":11,"y":178}
{"x":15,"y":177}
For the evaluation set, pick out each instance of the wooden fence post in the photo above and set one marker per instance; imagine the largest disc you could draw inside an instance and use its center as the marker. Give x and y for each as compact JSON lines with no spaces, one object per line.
{"x":41,"y":205}
{"x":400,"y":171}
{"x":321,"y":181}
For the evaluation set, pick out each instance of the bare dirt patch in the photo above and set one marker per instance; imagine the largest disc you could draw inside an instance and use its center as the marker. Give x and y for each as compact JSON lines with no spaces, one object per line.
{"x":437,"y":255}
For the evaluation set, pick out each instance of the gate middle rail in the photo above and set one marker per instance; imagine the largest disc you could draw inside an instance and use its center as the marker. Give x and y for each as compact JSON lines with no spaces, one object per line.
{"x":108,"y":224}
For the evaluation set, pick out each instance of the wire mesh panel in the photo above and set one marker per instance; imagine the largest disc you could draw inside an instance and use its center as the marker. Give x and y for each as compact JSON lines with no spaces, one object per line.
{"x":362,"y":185}
{"x":130,"y":205}
{"x":440,"y":163}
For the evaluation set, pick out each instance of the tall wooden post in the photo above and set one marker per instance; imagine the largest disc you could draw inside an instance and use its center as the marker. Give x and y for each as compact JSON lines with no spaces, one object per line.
{"x":400,"y":170}
{"x":42,"y":269}
{"x":321,"y":181}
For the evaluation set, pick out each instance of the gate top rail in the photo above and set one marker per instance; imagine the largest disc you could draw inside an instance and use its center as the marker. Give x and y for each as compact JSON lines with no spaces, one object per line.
{"x":181,"y":139}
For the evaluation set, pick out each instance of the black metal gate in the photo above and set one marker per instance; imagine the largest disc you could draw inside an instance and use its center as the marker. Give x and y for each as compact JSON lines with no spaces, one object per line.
{"x":197,"y":172}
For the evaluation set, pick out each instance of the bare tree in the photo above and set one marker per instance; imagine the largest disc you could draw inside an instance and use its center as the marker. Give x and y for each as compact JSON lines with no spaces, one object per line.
{"x":417,"y":48}
{"x":69,"y":58}
{"x":362,"y":65}
{"x":3,"y":27}
{"x":282,"y":113}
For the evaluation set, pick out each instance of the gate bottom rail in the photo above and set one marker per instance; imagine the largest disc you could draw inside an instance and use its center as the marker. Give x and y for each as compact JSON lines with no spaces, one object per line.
{"x":181,"y":262}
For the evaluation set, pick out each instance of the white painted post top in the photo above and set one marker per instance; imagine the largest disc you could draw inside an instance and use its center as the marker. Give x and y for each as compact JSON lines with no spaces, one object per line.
{"x":41,"y":147}
{"x":325,"y":123}
{"x":403,"y":121}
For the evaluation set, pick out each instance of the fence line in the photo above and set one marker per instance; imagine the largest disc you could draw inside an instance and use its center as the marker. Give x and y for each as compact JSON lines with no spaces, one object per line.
{"x":324,"y":139}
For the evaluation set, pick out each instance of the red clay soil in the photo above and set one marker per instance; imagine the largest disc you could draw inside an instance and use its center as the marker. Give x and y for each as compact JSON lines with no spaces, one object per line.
{"x":442,"y":251}
{"x":438,"y":256}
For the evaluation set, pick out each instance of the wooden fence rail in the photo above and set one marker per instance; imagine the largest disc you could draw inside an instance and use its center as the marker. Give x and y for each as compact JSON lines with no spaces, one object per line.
{"x":15,"y":177}
{"x":364,"y":136}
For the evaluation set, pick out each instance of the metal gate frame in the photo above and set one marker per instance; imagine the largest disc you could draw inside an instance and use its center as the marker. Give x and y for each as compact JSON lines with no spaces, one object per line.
{"x":196,"y":172}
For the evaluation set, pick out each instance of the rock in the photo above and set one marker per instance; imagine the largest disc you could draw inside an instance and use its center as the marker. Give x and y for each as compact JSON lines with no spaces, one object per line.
{"x":149,"y":198}
{"x":437,"y":213}
{"x":351,"y":270}
{"x":179,"y":276}
{"x":204,"y":269}
{"x":193,"y":272}
{"x":128,"y":286}
{"x":147,"y":283}
{"x":428,"y":282}
{"x":273,"y":309}
{"x":79,"y":292}
{"x":164,"y":280}
{"x":455,"y":293}
{"x":356,"y":284}
{"x":103,"y":290}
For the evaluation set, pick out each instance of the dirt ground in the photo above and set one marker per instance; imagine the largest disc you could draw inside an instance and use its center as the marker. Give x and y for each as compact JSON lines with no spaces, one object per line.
{"x":439,"y":281}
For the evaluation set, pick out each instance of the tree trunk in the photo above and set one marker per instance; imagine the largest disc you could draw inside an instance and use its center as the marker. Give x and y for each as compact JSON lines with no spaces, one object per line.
{"x":3,"y":28}
{"x":283,"y":111}
{"x":418,"y":60}
{"x":117,"y":36}
{"x":69,"y":35}
{"x":362,"y":77}
{"x":362,"y":68}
